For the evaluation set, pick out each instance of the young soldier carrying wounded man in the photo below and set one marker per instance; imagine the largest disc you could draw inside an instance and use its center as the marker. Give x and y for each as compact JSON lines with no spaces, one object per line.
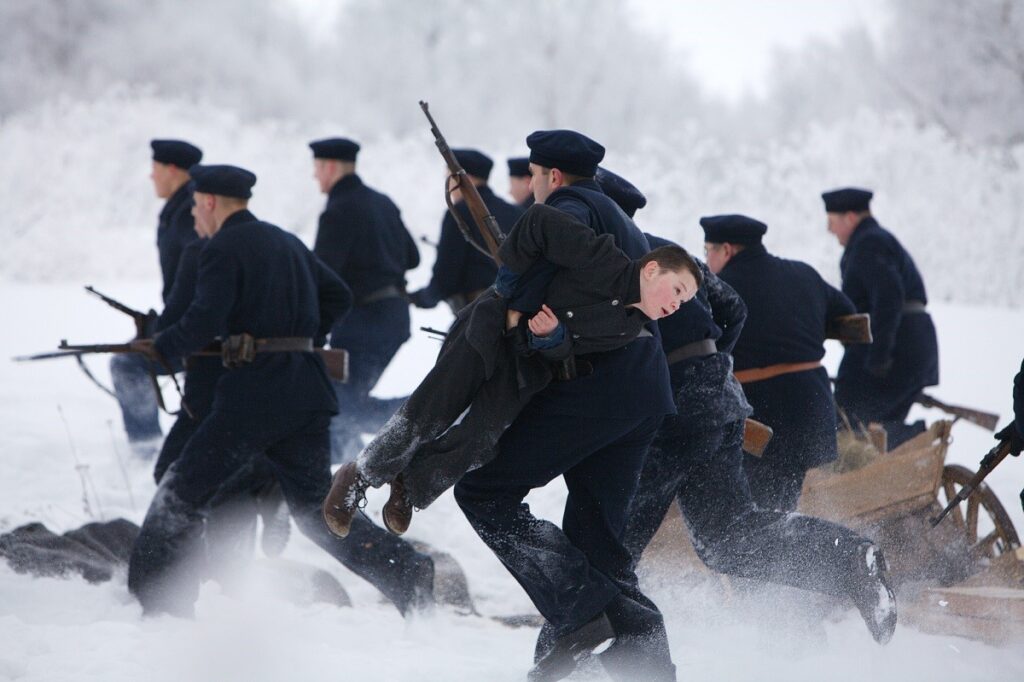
{"x":597,"y":300}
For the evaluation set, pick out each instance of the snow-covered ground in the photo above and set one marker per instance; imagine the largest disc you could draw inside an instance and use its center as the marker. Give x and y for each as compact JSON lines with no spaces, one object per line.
{"x":66,"y":629}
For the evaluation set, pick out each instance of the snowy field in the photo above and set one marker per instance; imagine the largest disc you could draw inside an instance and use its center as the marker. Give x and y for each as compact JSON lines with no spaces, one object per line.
{"x":66,"y":629}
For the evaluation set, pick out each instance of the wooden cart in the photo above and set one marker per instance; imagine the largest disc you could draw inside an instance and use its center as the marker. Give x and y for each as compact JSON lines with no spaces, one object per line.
{"x":975,"y":552}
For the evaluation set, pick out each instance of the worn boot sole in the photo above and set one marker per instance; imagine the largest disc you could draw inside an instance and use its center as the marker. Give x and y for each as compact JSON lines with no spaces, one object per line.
{"x":873,"y":595}
{"x":568,"y":651}
{"x":342,"y":502}
{"x":397,"y":512}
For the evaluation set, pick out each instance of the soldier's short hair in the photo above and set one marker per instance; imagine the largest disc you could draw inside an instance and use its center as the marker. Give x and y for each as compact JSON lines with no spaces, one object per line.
{"x":676,"y":259}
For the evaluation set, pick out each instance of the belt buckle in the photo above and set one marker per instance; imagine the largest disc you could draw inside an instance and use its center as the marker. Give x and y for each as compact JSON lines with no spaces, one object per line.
{"x":238,"y":349}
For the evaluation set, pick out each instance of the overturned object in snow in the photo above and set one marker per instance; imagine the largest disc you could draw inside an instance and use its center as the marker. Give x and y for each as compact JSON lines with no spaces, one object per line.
{"x":95,"y":551}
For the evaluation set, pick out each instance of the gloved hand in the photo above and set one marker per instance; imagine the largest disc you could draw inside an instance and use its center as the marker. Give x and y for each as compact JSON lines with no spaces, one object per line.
{"x":880,"y":370}
{"x":1010,"y":433}
{"x":422,"y":299}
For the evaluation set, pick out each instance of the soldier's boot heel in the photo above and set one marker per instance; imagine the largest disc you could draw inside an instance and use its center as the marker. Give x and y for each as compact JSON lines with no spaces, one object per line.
{"x":872,"y":593}
{"x":346,"y":497}
{"x":397,"y":512}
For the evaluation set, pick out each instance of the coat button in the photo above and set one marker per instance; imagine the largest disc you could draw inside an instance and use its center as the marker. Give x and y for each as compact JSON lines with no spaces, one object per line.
{"x":569,"y":314}
{"x":615,"y":301}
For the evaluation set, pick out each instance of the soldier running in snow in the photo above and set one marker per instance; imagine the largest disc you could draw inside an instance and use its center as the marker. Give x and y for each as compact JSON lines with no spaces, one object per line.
{"x":778,"y":355}
{"x":131,"y":374}
{"x":696,"y":461}
{"x":256,"y":279}
{"x":880,"y":382}
{"x":362,"y":238}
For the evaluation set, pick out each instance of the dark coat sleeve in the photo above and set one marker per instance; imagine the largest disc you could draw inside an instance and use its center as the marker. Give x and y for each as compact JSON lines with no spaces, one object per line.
{"x":334,"y":296}
{"x":874,"y":273}
{"x":727,"y":308}
{"x":334,"y":239}
{"x":837,"y":304}
{"x":1018,"y":399}
{"x":555,"y":236}
{"x":451,"y":259}
{"x":184,"y":289}
{"x":206,"y":318}
{"x":412,"y":252}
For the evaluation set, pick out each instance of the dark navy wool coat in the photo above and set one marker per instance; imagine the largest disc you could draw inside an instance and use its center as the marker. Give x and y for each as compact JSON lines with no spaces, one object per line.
{"x":175,"y":230}
{"x":788,"y":308}
{"x":362,"y":238}
{"x":256,"y":278}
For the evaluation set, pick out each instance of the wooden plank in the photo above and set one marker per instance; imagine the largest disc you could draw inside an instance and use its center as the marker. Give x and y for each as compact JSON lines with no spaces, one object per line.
{"x":1004,"y":604}
{"x":994,"y":632}
{"x":877,"y":490}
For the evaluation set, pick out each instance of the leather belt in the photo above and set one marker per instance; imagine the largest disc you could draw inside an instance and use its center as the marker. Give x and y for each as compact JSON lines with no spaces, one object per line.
{"x":390,"y":291}
{"x":239,"y":349}
{"x":914,"y":307}
{"x":697,"y":349}
{"x":749,"y":376}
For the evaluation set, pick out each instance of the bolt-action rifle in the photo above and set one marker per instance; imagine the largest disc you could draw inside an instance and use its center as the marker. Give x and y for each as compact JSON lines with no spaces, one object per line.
{"x":988,"y":463}
{"x":985,"y":420}
{"x":458,"y":179}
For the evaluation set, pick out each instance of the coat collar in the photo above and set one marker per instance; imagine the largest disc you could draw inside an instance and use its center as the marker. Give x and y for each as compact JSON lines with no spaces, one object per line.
{"x":349,"y":183}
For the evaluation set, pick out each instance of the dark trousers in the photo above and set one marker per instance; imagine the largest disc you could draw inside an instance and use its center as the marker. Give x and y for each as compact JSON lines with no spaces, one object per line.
{"x":703,"y":472}
{"x":800,"y":410}
{"x":571,"y":574}
{"x":372,"y":335}
{"x":133,"y":387}
{"x":163,"y":572}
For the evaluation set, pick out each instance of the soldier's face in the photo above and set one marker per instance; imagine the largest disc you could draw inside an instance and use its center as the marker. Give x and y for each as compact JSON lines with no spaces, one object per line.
{"x":841,"y":225}
{"x":163,"y":177}
{"x":540,"y":183}
{"x":663,"y":291}
{"x":519,"y":188}
{"x":716,"y":256}
{"x":326,"y":173}
{"x":202,"y":211}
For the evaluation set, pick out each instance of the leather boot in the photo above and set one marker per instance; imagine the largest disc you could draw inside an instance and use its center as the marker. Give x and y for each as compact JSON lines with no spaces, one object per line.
{"x":870,"y":590}
{"x":347,"y":495}
{"x":566,"y":652}
{"x":397,"y":512}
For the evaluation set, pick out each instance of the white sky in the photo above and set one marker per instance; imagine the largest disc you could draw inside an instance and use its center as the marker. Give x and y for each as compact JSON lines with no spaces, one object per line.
{"x":727,"y":43}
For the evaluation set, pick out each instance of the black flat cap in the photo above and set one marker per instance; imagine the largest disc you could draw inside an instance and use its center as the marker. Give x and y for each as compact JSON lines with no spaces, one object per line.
{"x":476,"y":163}
{"x":847,"y":199}
{"x":176,"y":153}
{"x":621,"y":191}
{"x":339,"y":148}
{"x":566,"y":150}
{"x":519,"y":166}
{"x":222,"y":180}
{"x":732,"y":229}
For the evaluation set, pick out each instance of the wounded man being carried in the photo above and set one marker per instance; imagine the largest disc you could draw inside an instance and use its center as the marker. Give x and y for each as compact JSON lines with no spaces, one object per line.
{"x":495,"y":359}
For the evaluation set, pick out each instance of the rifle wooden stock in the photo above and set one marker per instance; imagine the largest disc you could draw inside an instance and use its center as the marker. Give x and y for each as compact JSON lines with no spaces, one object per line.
{"x":486,"y":223}
{"x":988,"y":463}
{"x":854,"y":328}
{"x":985,"y":420}
{"x":336,"y":362}
{"x":756,"y":437}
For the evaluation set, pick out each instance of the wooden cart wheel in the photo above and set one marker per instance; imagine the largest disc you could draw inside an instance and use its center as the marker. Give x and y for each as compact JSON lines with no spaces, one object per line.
{"x":989,"y":534}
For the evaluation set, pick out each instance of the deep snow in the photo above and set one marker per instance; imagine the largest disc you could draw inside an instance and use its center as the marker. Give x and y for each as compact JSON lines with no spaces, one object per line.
{"x":66,"y":629}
